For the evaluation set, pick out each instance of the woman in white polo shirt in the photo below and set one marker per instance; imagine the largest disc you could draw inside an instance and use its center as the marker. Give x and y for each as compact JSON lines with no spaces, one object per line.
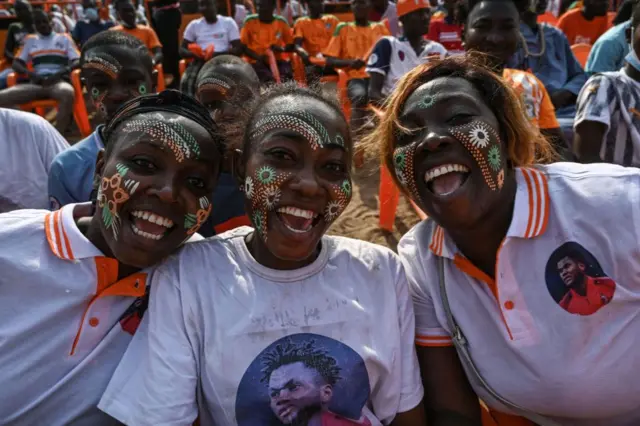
{"x":72,"y":285}
{"x":280,"y":324}
{"x":539,"y":265}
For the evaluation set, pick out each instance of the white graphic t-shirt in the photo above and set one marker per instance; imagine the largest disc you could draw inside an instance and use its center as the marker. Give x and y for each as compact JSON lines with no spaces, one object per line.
{"x":220,"y":34}
{"x":237,"y":343}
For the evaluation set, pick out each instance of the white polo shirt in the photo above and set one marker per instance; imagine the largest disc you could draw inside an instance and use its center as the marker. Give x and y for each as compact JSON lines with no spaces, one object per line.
{"x":231,"y":337}
{"x":65,"y":320}
{"x":220,"y":34}
{"x":394,"y":57}
{"x":534,"y":340}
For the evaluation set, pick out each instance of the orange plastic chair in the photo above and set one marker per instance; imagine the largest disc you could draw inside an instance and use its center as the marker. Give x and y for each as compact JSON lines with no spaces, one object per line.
{"x":79,"y":107}
{"x":581,"y":52}
{"x":273,"y":65}
{"x":549,"y":18}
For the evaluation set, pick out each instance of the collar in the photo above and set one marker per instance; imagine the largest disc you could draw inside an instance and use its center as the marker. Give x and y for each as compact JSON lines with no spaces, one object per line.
{"x":97,"y":137}
{"x":530,"y":213}
{"x":64,"y":238}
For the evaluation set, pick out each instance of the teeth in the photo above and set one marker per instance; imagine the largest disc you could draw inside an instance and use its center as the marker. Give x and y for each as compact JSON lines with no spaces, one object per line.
{"x":145,"y":234}
{"x":294,"y":211}
{"x":443,"y":170}
{"x":297,"y":231}
{"x":153,"y":218}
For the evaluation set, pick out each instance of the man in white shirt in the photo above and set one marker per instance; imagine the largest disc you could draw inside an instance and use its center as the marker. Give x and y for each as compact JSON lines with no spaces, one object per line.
{"x":393,"y":57}
{"x":28,"y":145}
{"x":206,"y":37}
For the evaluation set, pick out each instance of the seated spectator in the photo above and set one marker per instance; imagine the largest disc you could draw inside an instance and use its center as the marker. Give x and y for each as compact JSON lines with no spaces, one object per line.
{"x":608,"y":120}
{"x":206,"y":37}
{"x":609,"y":51}
{"x":239,"y":11}
{"x":264,"y":31}
{"x":62,"y":23}
{"x":311,"y":36}
{"x":349,"y":48}
{"x":127,"y":15}
{"x":448,"y":30}
{"x":47,"y":58}
{"x":91,"y":25}
{"x":116,"y":67}
{"x":291,"y":11}
{"x":16,"y":34}
{"x":227,"y":86}
{"x":585,"y":24}
{"x":547,"y":54}
{"x":393,"y":57}
{"x":29,"y":145}
{"x":492,"y":29}
{"x":141,"y":13}
{"x":385,"y":11}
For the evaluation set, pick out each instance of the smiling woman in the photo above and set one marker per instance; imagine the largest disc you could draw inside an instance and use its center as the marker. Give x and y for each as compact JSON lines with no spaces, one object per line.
{"x":501,"y":225}
{"x":317,"y":330}
{"x":86,"y":261}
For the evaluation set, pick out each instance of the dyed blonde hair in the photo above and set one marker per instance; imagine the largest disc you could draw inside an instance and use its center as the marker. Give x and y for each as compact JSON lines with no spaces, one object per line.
{"x":524,"y":143}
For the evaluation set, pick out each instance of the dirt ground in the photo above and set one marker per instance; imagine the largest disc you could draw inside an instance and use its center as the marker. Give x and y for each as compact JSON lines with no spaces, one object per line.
{"x":360,"y":219}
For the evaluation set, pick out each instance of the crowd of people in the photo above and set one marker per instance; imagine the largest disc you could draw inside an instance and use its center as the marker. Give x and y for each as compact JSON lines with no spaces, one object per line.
{"x":174,"y":267}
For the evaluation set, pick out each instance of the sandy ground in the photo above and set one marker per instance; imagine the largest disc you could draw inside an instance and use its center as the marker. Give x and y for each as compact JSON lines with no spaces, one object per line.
{"x":360,"y":220}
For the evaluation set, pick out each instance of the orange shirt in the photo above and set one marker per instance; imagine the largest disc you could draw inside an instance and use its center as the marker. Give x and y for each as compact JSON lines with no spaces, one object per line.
{"x":578,"y":30}
{"x":599,"y":293}
{"x":260,"y":36}
{"x":315,"y":33}
{"x":534,"y":96}
{"x":351,"y":41}
{"x":142,"y":32}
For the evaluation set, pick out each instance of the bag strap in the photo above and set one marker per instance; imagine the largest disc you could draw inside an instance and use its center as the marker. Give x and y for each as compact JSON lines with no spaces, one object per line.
{"x":460,"y":342}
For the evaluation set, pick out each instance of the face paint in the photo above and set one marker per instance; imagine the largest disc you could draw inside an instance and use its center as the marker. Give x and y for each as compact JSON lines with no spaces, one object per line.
{"x":220,"y":83}
{"x":172,"y":135}
{"x":105,"y":63}
{"x":341,"y":195}
{"x":403,"y":162}
{"x":193,"y":221}
{"x":303,"y":123}
{"x":263,"y":191}
{"x":98,"y":100}
{"x":113,"y":192}
{"x":427,"y":102}
{"x":483,"y":142}
{"x":142,"y":89}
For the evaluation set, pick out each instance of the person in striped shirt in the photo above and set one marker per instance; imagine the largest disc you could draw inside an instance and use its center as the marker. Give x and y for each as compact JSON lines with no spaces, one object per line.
{"x":607,"y":125}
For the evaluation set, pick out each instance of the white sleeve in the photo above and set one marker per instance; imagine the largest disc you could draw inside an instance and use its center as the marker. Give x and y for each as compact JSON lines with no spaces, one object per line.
{"x":155,"y":383}
{"x":50,"y":142}
{"x":594,"y":100}
{"x":190,"y":32}
{"x":234,"y":32}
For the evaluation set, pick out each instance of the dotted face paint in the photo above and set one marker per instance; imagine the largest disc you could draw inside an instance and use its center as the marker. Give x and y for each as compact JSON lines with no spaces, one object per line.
{"x":172,"y":135}
{"x":113,"y":192}
{"x":103,"y":62}
{"x":193,"y":221}
{"x":483,"y":142}
{"x":219,"y":83}
{"x":262,"y":189}
{"x":341,"y":196}
{"x":403,"y":163}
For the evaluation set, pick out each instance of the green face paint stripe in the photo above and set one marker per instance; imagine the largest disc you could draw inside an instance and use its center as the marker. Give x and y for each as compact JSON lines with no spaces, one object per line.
{"x":175,"y":136}
{"x":302,"y":122}
{"x":188,"y":137}
{"x":189,"y":220}
{"x":122,"y":169}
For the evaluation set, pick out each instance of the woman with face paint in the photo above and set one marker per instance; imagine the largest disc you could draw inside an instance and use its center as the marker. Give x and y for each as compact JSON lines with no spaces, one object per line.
{"x":294,"y":327}
{"x":530,"y":270}
{"x":73,"y":282}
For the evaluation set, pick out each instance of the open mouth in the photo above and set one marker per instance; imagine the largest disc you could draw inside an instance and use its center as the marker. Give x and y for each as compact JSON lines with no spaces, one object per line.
{"x":446,"y":179}
{"x":149,"y":225}
{"x":298,"y":220}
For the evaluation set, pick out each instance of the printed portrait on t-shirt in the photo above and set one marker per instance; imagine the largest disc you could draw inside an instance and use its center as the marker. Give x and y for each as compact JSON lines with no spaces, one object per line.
{"x":304,"y":380}
{"x":576,"y":280}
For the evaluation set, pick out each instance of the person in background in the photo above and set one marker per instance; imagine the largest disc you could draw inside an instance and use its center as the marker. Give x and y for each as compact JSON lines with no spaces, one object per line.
{"x":448,"y":30}
{"x":292,"y":10}
{"x":625,"y":10}
{"x":311,"y":36}
{"x":609,"y":51}
{"x":62,"y":22}
{"x":385,"y":11}
{"x":29,"y":145}
{"x":167,"y":19}
{"x":53,"y":56}
{"x":349,"y":48}
{"x":16,"y":34}
{"x":585,"y":24}
{"x":204,"y":38}
{"x":227,"y":85}
{"x":263,"y":31}
{"x":493,"y":30}
{"x":127,"y":15}
{"x":393,"y":57}
{"x":239,"y":13}
{"x":116,"y":67}
{"x":91,"y":25}
{"x":607,"y":124}
{"x":546,"y":53}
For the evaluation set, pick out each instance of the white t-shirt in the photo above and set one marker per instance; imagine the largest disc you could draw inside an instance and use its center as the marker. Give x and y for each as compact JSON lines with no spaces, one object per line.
{"x":613,"y":99}
{"x":228,"y":338}
{"x":241,"y":13}
{"x":220,"y":34}
{"x":49,"y":54}
{"x":28,"y":145}
{"x":394,"y":57}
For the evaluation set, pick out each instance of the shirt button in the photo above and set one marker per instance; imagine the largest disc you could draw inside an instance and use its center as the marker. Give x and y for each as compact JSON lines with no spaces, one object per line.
{"x":93,"y":321}
{"x":508,"y":305}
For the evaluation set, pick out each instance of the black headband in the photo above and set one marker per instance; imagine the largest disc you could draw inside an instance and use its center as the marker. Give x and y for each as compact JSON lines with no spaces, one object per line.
{"x":168,"y":101}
